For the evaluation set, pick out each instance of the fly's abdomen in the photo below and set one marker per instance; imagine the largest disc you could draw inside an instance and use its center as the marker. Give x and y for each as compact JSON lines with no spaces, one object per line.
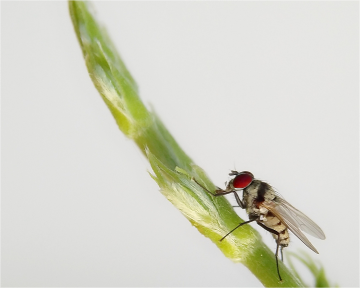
{"x":275,"y":224}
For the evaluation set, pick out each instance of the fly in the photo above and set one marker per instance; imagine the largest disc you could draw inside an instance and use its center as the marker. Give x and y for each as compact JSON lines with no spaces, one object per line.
{"x":270,"y":211}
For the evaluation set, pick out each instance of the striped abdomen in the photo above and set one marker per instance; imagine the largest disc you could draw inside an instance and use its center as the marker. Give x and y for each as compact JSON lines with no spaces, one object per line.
{"x":272,"y":222}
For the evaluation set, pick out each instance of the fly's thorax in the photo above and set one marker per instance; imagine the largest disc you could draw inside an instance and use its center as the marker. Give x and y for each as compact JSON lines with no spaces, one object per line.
{"x":255,"y":194}
{"x":252,"y":190}
{"x":250,"y":195}
{"x":258,"y":192}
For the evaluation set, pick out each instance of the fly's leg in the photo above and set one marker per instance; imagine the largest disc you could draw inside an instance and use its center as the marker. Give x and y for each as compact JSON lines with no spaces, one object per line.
{"x":277,"y":246}
{"x":241,"y":224}
{"x":218,"y":192}
{"x":281,"y":251}
{"x":276,"y":255}
{"x":238,"y":200}
{"x":221,"y":192}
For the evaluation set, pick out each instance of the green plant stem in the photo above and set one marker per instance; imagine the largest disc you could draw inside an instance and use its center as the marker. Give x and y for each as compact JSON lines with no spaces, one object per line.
{"x":173,"y":169}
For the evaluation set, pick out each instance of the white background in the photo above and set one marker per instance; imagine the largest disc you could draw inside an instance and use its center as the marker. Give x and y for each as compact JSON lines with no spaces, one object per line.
{"x":269,"y":87}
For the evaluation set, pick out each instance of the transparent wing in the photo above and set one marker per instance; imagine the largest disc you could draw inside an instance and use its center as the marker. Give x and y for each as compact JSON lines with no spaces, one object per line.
{"x":295,"y":221}
{"x":304,"y":222}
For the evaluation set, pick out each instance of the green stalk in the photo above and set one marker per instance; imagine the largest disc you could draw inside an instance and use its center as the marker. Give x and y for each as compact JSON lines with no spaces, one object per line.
{"x":173,"y":169}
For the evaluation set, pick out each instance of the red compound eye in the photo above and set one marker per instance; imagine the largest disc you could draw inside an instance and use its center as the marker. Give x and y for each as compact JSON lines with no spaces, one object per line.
{"x":243,"y":180}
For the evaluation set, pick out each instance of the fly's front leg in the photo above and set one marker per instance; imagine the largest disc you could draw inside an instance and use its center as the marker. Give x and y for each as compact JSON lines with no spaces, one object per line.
{"x":238,"y":200}
{"x":218,"y":192}
{"x":221,"y":192}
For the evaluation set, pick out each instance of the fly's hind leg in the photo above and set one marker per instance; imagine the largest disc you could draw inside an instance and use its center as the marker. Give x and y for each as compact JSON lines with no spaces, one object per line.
{"x":277,"y":246}
{"x":276,"y":255}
